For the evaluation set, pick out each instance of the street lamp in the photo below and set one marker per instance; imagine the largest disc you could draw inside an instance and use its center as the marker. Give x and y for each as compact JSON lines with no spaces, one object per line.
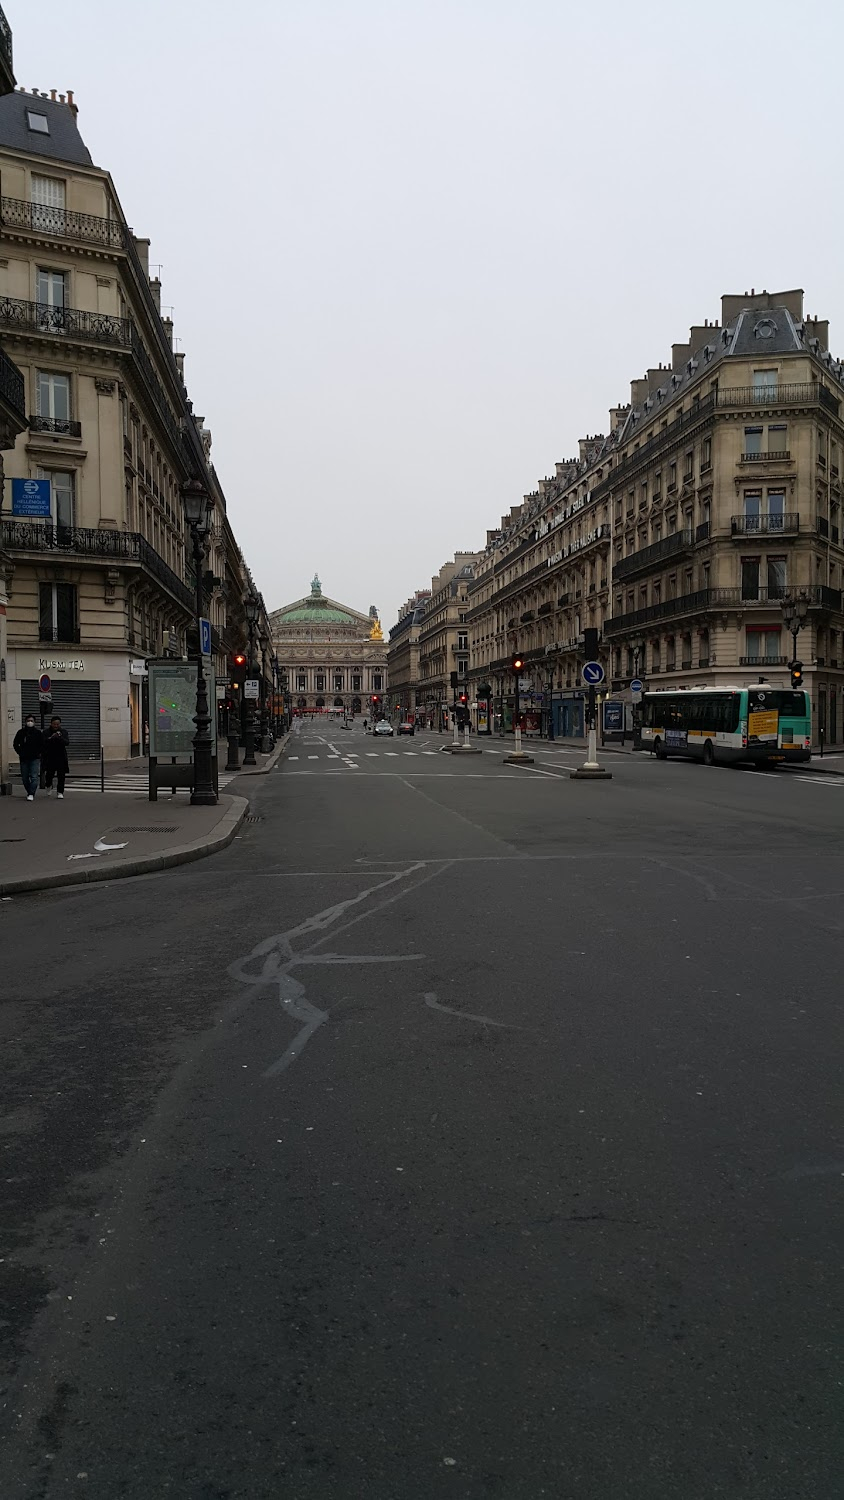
{"x":795,"y":608}
{"x":266,"y":739}
{"x":198,"y":505}
{"x":250,"y":607}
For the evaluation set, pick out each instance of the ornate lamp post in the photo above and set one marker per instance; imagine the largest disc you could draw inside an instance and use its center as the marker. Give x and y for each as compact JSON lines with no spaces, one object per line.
{"x":266,"y":737}
{"x":251,"y":608}
{"x":795,"y":608}
{"x":198,"y":505}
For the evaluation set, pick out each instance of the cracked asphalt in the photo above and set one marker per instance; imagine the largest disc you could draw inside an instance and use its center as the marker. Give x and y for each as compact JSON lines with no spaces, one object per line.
{"x":460,"y":1130}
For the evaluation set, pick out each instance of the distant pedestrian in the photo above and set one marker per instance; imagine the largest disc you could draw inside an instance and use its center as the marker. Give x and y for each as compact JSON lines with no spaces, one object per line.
{"x":27,"y":745}
{"x":55,"y":755}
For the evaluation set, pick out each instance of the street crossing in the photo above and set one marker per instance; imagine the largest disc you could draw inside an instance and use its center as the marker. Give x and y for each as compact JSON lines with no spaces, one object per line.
{"x":129,"y":783}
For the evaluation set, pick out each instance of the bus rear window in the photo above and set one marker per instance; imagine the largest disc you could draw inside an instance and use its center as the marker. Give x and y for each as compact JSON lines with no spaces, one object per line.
{"x":789,"y":705}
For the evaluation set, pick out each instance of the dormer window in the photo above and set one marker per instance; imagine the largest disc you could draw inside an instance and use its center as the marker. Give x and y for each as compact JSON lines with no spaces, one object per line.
{"x":37,"y":122}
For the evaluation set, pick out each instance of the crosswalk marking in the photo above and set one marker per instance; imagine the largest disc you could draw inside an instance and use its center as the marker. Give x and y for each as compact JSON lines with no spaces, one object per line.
{"x":313,"y":757}
{"x":292,"y":757}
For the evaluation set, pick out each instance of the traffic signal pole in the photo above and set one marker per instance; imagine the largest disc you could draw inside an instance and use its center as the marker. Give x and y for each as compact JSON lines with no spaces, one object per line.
{"x":519,"y":757}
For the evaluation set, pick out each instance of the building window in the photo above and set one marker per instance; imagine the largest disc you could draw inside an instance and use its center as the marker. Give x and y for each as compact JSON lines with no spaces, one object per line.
{"x":37,"y":122}
{"x":752,"y":509}
{"x":463,"y":641}
{"x":672,"y":476}
{"x":776,"y":577}
{"x":690,"y":465}
{"x":376,"y":682}
{"x":750,"y":578}
{"x":706,"y":454}
{"x":301,"y":683}
{"x":320,"y":682}
{"x":355,"y":682}
{"x":776,"y":510}
{"x":47,"y":194}
{"x":821,"y":446}
{"x":57,"y":612}
{"x":763,"y":645}
{"x":50,"y":287}
{"x":338,"y":682}
{"x":753,"y":440}
{"x":63,"y":486}
{"x":778,"y":438}
{"x":52,"y":396}
{"x":764,"y":383}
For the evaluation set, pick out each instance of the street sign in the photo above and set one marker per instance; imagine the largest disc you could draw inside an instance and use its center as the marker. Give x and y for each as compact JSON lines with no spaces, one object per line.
{"x":44,"y":683}
{"x":636,"y":685}
{"x":613,"y":716}
{"x":45,"y":698}
{"x":593,"y":673}
{"x":31,"y":497}
{"x":205,"y":637}
{"x":251,"y":688}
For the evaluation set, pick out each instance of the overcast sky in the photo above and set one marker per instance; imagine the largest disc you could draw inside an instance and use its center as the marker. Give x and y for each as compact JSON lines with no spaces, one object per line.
{"x":415,"y":249}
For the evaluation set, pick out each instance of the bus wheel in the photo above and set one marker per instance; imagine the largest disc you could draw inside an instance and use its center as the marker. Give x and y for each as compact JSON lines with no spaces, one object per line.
{"x":659,"y":749}
{"x":708,"y":754}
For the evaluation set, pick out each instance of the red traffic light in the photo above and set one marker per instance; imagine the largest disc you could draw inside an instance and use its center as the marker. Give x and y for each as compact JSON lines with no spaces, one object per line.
{"x":462,"y":697}
{"x":375,"y":697}
{"x":518,"y":663}
{"x":239,"y":659}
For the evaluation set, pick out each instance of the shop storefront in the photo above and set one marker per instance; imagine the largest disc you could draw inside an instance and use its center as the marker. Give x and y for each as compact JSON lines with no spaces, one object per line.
{"x":97,"y":694}
{"x":569,"y":715}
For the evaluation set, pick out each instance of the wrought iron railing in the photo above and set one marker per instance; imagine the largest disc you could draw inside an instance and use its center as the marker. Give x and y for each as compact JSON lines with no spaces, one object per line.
{"x":763,"y":661}
{"x":12,"y":386}
{"x":799,"y":393}
{"x":154,"y":386}
{"x":702,"y":532}
{"x":667,"y":546}
{"x":62,"y":223}
{"x":19,"y":316}
{"x":59,"y":426}
{"x":67,"y":634}
{"x":768,"y":456}
{"x":822,"y":525}
{"x":771,"y":525}
{"x":5,"y":39}
{"x":36,"y":536}
{"x":711,"y":599}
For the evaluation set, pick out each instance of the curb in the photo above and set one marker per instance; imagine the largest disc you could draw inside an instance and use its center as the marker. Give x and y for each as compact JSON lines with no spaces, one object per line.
{"x":271,"y":763}
{"x":181,"y":854}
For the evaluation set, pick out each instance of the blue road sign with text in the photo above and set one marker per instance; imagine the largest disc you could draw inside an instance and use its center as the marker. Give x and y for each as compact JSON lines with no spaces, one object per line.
{"x":593,"y":673}
{"x":205,"y":637}
{"x":30,"y":497}
{"x":636,"y":685}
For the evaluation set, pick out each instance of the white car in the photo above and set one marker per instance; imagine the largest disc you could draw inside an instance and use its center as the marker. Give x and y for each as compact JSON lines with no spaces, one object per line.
{"x":382,"y":727}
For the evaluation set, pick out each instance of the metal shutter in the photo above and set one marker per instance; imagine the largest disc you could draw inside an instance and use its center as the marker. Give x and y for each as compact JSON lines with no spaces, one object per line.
{"x":78,"y":703}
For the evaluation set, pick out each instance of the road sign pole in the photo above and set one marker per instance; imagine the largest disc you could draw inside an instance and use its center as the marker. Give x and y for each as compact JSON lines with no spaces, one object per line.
{"x":592,"y":675}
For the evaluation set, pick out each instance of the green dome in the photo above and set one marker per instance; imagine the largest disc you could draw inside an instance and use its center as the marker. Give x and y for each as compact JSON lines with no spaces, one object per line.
{"x":315,"y":614}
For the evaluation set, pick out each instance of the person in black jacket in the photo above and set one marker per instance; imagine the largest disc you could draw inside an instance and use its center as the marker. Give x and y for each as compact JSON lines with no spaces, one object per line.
{"x":55,"y":755}
{"x":27,"y":746}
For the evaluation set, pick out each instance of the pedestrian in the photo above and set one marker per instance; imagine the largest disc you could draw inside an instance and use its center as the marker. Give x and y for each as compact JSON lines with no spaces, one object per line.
{"x":55,"y":755}
{"x":365,"y":726}
{"x":27,"y":745}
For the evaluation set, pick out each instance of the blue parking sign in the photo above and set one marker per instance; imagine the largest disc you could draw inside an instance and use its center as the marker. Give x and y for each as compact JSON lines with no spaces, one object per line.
{"x":31,"y":497}
{"x":205,"y":636}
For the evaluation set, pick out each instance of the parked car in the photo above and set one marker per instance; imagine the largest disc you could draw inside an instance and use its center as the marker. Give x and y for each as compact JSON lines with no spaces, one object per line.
{"x":406,"y":727}
{"x":382,"y":727}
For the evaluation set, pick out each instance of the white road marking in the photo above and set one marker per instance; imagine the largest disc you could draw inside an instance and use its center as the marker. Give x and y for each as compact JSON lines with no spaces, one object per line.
{"x":391,"y":752}
{"x":313,"y":757}
{"x":372,"y":754}
{"x":292,"y":757}
{"x":332,"y":757}
{"x":408,"y":752}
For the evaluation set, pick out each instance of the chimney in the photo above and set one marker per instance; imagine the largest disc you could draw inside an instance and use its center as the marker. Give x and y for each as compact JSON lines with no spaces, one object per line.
{"x":142,"y":247}
{"x":155,"y":288}
{"x":72,"y":107}
{"x":638,"y":391}
{"x":679,"y":354}
{"x":655,"y":379}
{"x":180,"y":364}
{"x":167,"y":324}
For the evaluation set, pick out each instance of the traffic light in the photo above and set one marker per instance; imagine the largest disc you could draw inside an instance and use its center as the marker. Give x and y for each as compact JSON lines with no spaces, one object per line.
{"x":463,"y":699}
{"x":518,"y":663}
{"x":796,"y":674}
{"x":238,"y":670}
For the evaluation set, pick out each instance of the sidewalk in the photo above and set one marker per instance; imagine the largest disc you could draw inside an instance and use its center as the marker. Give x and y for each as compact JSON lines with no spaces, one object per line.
{"x":50,"y":843}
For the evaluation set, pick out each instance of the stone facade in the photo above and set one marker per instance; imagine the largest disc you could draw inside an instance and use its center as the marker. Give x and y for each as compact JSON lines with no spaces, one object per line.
{"x":404,"y":697}
{"x":330,"y":655}
{"x":444,"y":638}
{"x":715,"y":493}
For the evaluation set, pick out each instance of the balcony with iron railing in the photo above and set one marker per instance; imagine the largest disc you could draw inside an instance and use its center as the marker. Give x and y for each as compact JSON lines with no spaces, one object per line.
{"x":776,"y":524}
{"x":61,"y":223}
{"x":12,"y":393}
{"x":81,"y":541}
{"x":763,"y":661}
{"x":56,"y":426}
{"x":657,"y":552}
{"x":71,"y":323}
{"x":7,"y":72}
{"x":767,"y":456}
{"x":67,"y":635}
{"x":702,"y":601}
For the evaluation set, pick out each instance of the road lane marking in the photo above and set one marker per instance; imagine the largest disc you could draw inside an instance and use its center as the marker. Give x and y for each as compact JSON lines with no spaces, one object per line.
{"x":313,"y":757}
{"x":433,"y":1003}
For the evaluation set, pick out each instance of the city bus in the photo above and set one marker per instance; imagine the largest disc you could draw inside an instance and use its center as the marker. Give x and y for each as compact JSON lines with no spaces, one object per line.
{"x":761,"y":724}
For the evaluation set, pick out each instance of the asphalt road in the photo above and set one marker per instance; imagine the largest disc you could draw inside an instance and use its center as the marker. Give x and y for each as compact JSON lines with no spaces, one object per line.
{"x":462,"y":1130}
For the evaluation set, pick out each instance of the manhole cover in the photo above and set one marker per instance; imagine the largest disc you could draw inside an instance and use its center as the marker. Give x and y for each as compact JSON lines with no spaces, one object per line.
{"x":138,"y":828}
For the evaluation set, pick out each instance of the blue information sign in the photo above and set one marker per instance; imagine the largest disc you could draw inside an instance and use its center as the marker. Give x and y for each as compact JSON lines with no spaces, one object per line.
{"x":592,"y":673}
{"x":636,"y":685}
{"x":205,"y":637}
{"x":30,"y":497}
{"x":613,"y":716}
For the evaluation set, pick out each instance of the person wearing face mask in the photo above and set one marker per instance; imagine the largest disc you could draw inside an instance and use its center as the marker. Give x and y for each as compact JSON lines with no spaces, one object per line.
{"x":28,"y":745}
{"x":55,"y":755}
